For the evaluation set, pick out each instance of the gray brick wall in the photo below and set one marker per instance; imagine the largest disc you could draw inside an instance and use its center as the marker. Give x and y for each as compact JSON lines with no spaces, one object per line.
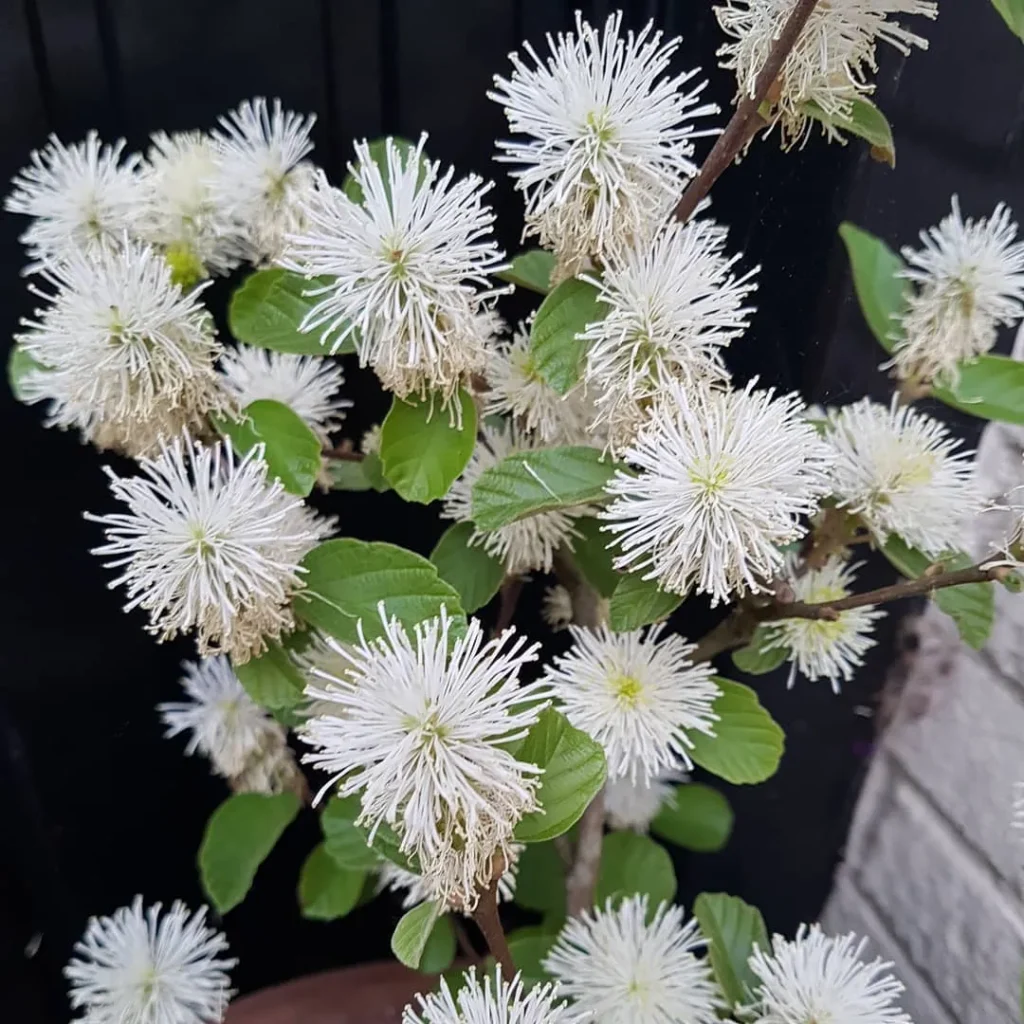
{"x":933,"y":865}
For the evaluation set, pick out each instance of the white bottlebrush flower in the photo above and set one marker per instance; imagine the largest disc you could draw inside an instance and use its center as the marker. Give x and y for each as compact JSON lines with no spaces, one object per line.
{"x":415,"y":891}
{"x":637,"y":694}
{"x":829,"y":66}
{"x":407,"y":262}
{"x":417,"y":729}
{"x":901,"y":472}
{"x":226,"y":724}
{"x":262,"y":180}
{"x":209,"y":545}
{"x":526,"y":544}
{"x":180,"y":212}
{"x":619,"y":969}
{"x":673,"y":304}
{"x":517,"y":389}
{"x":634,"y":805}
{"x":608,"y":136}
{"x":829,"y":649}
{"x":725,"y":477}
{"x":129,"y":358}
{"x":140,"y":967}
{"x":970,"y":281}
{"x":556,"y":608}
{"x":308,"y":385}
{"x":78,"y":195}
{"x":491,"y":1001}
{"x":819,"y":978}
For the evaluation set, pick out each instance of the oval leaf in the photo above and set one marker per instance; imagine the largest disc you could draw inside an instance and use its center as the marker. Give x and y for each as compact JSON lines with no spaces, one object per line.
{"x":439,"y":952}
{"x":529,"y":949}
{"x":269,"y":306}
{"x":732,"y":929}
{"x":421,"y":451}
{"x":412,"y":933}
{"x":971,"y":606}
{"x":756,"y":659}
{"x":531,"y":269}
{"x":344,"y":841}
{"x":19,"y":365}
{"x":990,"y":387}
{"x":291,"y":449}
{"x":528,"y":482}
{"x":593,"y":557}
{"x":540,"y":880}
{"x":386,"y":843}
{"x":1012,"y":12}
{"x":880,"y":292}
{"x":328,"y":891}
{"x":638,"y":602}
{"x":273,"y":680}
{"x":474,"y":573}
{"x":239,"y":835}
{"x":556,"y":349}
{"x":748,"y":743}
{"x":574,"y":771}
{"x":632,"y":863}
{"x":345,"y":579}
{"x":695,"y":817}
{"x":866,"y":121}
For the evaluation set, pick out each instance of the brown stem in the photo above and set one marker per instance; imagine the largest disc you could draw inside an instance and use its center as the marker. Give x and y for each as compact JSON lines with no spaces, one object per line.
{"x":745,"y":120}
{"x":344,"y":453}
{"x":511,"y":589}
{"x":582,"y":879}
{"x":489,"y":923}
{"x":737,"y":629}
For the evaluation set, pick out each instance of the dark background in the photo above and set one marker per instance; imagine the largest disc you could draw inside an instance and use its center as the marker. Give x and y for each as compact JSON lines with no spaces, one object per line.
{"x":94,"y":805}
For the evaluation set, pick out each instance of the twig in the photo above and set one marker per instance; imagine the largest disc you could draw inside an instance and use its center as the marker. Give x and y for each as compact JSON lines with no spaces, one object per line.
{"x":737,"y":629}
{"x":745,"y":120}
{"x":489,"y":923}
{"x":582,"y":878}
{"x":511,"y":589}
{"x":344,"y":453}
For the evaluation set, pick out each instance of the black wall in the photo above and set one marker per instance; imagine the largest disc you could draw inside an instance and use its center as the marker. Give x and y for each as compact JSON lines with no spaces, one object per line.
{"x":94,"y":805}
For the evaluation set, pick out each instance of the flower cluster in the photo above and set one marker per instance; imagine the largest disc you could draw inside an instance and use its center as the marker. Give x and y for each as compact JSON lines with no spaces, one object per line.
{"x":418,"y":726}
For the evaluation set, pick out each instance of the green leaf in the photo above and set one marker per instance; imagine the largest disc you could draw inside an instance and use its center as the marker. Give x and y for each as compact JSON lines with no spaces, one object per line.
{"x":593,"y":557}
{"x":273,"y":680}
{"x":328,"y":891}
{"x":528,"y":482}
{"x":971,"y":605}
{"x":344,"y":841}
{"x":439,"y":952}
{"x":19,"y":365}
{"x":540,"y":880}
{"x":748,"y":743}
{"x":881,"y":294}
{"x":632,"y":863}
{"x":378,"y":154}
{"x":990,"y":387}
{"x":239,"y":835}
{"x":756,"y":659}
{"x":292,"y":451}
{"x":409,"y":940}
{"x":346,"y":579}
{"x":638,"y":602}
{"x":695,"y":817}
{"x":421,"y":452}
{"x":529,"y":949}
{"x":1012,"y":12}
{"x":387,"y":844}
{"x":531,"y":269}
{"x":732,"y":929}
{"x":574,"y":771}
{"x":474,"y":573}
{"x":269,"y":306}
{"x":557,"y":352}
{"x":347,"y":475}
{"x":866,"y":121}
